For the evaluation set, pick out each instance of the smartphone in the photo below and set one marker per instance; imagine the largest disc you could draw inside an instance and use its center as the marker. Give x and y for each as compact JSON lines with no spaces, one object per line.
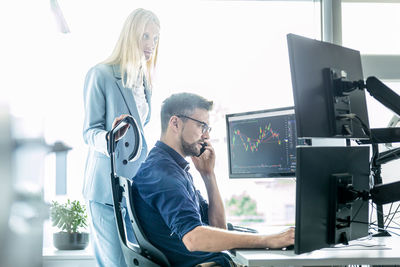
{"x":202,"y":149}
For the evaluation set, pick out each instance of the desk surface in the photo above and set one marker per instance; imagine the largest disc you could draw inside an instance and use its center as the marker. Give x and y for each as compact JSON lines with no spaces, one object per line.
{"x":386,"y":252}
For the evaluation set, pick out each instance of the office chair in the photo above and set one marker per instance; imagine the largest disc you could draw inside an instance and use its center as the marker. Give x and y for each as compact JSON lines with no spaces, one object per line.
{"x":143,"y":253}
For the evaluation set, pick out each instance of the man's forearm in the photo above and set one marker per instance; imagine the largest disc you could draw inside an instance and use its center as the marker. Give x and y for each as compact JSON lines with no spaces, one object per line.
{"x":216,"y":211}
{"x":204,"y":238}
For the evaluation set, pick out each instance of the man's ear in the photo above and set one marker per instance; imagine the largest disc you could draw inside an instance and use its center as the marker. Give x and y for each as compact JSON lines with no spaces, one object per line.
{"x":174,"y":123}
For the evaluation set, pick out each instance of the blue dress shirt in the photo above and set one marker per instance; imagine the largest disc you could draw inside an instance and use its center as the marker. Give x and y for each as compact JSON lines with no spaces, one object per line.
{"x":169,"y":206}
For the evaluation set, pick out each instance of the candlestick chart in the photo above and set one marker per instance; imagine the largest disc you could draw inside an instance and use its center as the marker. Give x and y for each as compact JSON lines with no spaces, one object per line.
{"x":266,"y":143}
{"x":265,"y":136}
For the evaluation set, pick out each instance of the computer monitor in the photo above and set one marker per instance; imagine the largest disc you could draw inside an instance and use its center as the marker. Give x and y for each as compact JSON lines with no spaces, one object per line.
{"x":328,"y":211}
{"x":319,"y":107}
{"x":262,"y":144}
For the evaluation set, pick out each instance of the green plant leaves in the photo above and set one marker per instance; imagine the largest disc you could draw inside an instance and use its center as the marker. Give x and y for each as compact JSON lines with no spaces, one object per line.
{"x":69,"y":217}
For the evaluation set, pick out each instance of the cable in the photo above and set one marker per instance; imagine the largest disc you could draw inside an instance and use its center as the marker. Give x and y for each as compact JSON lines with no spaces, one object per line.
{"x":368,"y":237}
{"x":355,"y":215}
{"x":374,"y":158}
{"x":374,"y":224}
{"x":372,"y":209}
{"x":390,"y":209}
{"x":387,"y":216}
{"x":394,"y":213}
{"x":360,"y":222}
{"x":365,"y":128}
{"x":378,"y":228}
{"x":364,"y":245}
{"x":391,"y":219}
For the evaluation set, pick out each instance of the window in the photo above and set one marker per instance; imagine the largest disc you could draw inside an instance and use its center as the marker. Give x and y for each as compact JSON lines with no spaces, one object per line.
{"x":370,"y":26}
{"x":237,"y":57}
{"x":233,"y":52}
{"x":373,"y":33}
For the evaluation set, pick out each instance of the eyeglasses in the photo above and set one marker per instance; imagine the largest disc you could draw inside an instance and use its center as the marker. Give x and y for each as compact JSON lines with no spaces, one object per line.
{"x":204,"y":126}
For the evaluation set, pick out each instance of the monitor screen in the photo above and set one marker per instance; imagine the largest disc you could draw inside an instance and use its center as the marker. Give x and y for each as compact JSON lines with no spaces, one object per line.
{"x":262,"y":144}
{"x":322,"y":220}
{"x":319,"y":109}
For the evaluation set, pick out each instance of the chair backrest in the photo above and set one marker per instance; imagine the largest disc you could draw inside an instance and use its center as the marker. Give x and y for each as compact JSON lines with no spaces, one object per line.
{"x":141,"y":252}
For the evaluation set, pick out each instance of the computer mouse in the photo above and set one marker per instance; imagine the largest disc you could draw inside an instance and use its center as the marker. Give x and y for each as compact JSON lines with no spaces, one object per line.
{"x":290,"y":247}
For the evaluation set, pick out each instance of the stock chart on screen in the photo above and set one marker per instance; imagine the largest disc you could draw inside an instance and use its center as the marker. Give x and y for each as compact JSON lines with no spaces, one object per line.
{"x":262,"y":143}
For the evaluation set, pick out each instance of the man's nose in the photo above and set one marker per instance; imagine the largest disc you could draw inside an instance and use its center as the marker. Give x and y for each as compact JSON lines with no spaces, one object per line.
{"x":206,"y":135}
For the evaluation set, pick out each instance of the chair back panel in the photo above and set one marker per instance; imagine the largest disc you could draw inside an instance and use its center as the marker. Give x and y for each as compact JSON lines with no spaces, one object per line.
{"x":143,"y":253}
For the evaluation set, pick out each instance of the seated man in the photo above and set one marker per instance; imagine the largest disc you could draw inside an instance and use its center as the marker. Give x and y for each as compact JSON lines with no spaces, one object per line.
{"x":174,"y":216}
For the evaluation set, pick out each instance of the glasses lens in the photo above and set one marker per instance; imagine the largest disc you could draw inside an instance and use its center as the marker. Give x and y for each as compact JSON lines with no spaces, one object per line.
{"x":206,"y":128}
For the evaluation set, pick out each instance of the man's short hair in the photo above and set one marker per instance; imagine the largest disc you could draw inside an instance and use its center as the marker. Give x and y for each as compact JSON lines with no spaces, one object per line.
{"x":182,"y":104}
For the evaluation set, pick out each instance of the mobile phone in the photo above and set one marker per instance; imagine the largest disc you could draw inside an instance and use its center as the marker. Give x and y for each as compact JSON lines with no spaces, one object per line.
{"x":202,"y":149}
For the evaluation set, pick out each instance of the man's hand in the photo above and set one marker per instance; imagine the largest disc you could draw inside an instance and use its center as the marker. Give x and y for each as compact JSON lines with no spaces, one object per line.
{"x":205,"y":165}
{"x":121,"y":132}
{"x":205,"y":162}
{"x":283,"y":239}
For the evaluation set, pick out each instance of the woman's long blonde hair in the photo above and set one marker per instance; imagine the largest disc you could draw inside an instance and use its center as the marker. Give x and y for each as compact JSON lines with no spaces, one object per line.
{"x":127,"y":52}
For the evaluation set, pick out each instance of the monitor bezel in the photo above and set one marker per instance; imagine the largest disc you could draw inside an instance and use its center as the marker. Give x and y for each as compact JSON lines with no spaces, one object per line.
{"x":255,"y":174}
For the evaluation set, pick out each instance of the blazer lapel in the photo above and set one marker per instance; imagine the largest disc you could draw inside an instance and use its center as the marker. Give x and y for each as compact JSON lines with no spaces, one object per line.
{"x":127,"y":96}
{"x":147,"y":92}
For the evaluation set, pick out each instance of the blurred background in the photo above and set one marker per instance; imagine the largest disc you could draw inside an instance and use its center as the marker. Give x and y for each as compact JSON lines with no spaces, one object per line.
{"x":232,"y":52}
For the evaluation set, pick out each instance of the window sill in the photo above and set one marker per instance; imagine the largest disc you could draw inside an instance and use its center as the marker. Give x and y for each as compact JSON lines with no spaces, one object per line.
{"x":55,"y":254}
{"x":53,"y":257}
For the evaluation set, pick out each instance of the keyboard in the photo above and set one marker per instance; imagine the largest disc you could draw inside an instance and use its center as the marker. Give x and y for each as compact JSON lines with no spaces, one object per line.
{"x":232,"y":227}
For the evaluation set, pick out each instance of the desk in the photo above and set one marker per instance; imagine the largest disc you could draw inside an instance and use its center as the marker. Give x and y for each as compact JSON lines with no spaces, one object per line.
{"x":389,"y":255}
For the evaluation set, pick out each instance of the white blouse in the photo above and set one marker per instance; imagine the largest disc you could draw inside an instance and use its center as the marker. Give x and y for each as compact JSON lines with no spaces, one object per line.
{"x":141,"y":102}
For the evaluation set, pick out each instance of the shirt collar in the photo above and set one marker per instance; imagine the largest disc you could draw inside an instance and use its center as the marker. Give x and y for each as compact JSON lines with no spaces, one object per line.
{"x":116,"y":71}
{"x":175,"y":155}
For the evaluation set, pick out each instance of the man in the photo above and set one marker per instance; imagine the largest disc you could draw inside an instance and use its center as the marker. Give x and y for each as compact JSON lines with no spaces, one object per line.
{"x":173,"y":214}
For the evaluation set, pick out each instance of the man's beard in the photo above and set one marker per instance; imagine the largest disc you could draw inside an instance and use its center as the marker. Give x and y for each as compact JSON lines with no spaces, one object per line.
{"x":190,"y":149}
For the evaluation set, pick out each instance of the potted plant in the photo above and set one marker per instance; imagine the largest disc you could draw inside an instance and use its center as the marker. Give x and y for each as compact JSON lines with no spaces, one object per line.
{"x":69,"y":218}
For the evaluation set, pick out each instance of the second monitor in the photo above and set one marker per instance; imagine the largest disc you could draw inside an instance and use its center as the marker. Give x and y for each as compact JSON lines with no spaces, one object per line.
{"x":262,"y":144}
{"x":322,"y":111}
{"x":332,"y":185}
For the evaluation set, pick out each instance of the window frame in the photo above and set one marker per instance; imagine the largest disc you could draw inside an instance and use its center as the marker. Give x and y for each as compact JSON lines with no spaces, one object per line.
{"x":381,"y":66}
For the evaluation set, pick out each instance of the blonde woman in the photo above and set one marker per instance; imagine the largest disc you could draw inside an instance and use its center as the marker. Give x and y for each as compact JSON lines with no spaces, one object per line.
{"x":118,"y":87}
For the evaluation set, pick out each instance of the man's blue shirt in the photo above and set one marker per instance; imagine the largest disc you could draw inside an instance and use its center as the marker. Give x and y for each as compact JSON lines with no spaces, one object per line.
{"x":169,"y":206}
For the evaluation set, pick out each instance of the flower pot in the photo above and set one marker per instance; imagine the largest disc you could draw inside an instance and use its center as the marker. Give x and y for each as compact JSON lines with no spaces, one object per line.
{"x":70,"y":241}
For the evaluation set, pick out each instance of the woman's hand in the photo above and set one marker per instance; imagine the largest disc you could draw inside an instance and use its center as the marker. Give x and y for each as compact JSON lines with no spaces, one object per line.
{"x":121,"y":132}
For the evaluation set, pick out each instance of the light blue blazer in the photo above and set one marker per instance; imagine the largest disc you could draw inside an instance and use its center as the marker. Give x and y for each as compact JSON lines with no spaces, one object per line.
{"x":105,"y":98}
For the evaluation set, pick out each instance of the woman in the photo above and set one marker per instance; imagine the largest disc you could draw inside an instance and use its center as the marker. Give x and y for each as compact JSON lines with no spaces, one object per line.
{"x":118,"y":87}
